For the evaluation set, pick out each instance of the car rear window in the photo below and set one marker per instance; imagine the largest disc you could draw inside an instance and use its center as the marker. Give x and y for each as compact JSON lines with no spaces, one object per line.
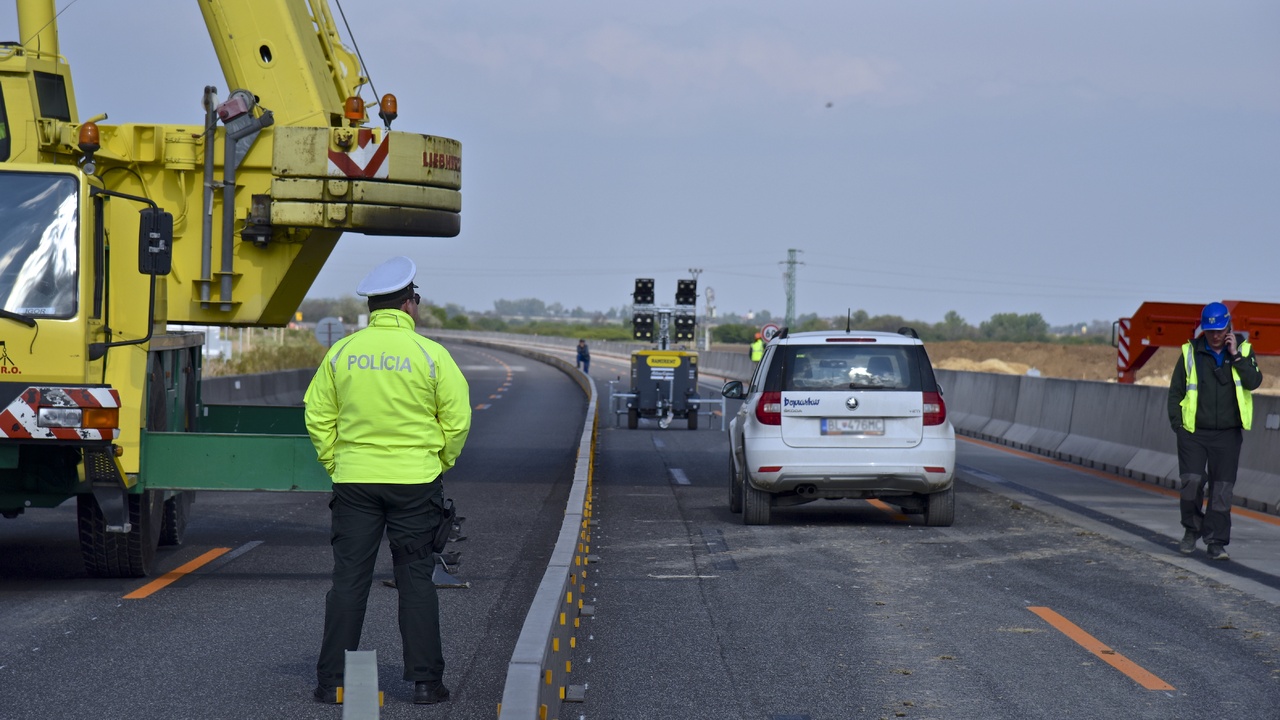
{"x":843,"y":367}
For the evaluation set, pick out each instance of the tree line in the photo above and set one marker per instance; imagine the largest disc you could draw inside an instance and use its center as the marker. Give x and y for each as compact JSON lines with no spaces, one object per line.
{"x":530,"y":316}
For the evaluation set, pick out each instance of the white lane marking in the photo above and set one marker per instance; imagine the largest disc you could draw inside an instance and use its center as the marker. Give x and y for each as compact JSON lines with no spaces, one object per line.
{"x":680,"y":477}
{"x":657,"y":442}
{"x":509,"y":369}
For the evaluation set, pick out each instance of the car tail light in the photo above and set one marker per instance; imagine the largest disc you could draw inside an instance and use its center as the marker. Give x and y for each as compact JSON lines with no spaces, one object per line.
{"x":769,"y":409}
{"x":935,"y":409}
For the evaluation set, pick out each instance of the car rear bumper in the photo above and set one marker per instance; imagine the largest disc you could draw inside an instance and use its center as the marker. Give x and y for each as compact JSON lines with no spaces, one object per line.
{"x":864,"y":473}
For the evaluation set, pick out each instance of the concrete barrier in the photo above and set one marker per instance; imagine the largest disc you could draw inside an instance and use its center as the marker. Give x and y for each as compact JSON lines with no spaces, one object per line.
{"x":1157,"y":458}
{"x":1118,"y":428}
{"x":1004,"y":406}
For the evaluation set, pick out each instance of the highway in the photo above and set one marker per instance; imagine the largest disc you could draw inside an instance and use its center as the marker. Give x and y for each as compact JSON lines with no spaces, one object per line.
{"x":1058,"y":593}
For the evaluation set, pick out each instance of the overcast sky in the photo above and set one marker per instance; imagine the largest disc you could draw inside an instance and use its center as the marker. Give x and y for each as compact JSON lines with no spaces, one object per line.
{"x":1068,"y":158}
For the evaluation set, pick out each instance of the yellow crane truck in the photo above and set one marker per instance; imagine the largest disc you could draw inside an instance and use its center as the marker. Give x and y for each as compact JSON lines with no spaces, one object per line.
{"x":110,"y":234}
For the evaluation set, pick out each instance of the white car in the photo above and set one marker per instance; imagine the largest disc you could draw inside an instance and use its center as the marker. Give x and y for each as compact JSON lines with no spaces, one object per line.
{"x":832,"y":415}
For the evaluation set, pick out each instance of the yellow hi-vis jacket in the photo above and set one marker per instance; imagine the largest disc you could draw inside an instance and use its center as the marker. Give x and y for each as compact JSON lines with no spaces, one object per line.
{"x":757,"y":350}
{"x":1191,"y":400}
{"x":387,"y":405}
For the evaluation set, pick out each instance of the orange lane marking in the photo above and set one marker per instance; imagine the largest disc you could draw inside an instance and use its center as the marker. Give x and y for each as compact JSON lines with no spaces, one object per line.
{"x":1135,"y":671}
{"x":887,"y":509}
{"x":1148,"y":487}
{"x":175,"y":575}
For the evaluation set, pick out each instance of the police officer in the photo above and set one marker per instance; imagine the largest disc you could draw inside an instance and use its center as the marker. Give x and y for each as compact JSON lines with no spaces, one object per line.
{"x":388,"y":412}
{"x":1210,"y":406}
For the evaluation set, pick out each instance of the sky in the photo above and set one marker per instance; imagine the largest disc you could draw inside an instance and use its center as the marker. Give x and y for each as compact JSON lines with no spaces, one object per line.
{"x":1072,"y":159}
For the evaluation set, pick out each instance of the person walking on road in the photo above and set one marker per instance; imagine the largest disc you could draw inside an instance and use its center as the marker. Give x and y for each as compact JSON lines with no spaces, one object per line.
{"x":388,"y":412}
{"x":1210,"y":407}
{"x":584,"y":356}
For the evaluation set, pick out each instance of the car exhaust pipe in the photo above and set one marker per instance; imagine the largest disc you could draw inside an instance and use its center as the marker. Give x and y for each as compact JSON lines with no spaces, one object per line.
{"x":806,"y":490}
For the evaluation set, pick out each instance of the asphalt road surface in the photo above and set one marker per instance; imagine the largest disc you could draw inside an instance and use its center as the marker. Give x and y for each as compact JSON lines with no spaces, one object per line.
{"x":1058,"y":593}
{"x":239,"y":637}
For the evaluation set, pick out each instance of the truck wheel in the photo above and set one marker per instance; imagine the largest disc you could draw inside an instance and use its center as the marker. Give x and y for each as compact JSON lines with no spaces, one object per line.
{"x":173,"y":527}
{"x":633,"y":419}
{"x":756,"y":504}
{"x":940,"y":508}
{"x":693,"y":419}
{"x":735,"y":488}
{"x":120,"y":555}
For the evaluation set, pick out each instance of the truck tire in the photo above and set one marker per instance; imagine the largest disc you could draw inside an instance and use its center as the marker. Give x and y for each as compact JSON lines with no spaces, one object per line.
{"x":756,"y":504}
{"x":940,"y":508}
{"x":735,"y":487}
{"x":120,"y":555}
{"x":173,"y":525}
{"x":633,"y":419}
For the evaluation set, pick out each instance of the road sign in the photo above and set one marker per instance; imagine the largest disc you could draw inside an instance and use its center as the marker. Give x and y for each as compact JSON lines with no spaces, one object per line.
{"x":329,"y":331}
{"x":769,"y":331}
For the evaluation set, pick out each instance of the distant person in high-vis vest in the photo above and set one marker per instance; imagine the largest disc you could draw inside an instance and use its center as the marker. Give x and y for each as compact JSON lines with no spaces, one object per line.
{"x":388,"y":412}
{"x":1210,"y":407}
{"x":757,"y":349}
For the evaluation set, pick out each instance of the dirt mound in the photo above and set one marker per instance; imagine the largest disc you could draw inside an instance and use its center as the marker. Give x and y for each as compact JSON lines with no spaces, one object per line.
{"x":1076,"y":362}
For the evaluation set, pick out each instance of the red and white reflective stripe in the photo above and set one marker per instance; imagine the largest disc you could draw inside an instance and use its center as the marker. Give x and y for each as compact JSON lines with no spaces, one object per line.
{"x":20,"y":419}
{"x":1122,"y":359}
{"x":365,"y":160}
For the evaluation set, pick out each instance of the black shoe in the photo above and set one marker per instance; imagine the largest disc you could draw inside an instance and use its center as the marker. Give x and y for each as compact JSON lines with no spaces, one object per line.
{"x":1217,"y":552}
{"x":429,"y":693}
{"x":1188,"y":544}
{"x":327,"y":695}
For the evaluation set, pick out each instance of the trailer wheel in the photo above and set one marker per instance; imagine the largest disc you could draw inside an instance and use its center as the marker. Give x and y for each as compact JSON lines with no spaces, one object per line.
{"x":693,"y":418}
{"x":633,"y":419}
{"x":120,"y":555}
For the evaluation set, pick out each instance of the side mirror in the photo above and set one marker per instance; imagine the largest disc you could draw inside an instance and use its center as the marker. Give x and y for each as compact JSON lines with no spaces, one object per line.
{"x":155,"y":242}
{"x":733,"y":390}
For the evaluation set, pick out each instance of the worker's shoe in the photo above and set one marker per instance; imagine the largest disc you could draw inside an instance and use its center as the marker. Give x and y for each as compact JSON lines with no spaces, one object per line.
{"x":325,"y":694}
{"x":1217,"y":552}
{"x":429,"y":693}
{"x":1188,"y":544}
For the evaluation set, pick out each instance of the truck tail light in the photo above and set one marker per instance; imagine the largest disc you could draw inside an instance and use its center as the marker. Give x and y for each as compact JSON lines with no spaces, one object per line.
{"x":769,"y":409}
{"x":101,"y":418}
{"x":935,"y":409}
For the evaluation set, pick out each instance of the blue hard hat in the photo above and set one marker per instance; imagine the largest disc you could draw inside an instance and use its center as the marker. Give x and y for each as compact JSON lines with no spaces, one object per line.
{"x":1215,"y":316}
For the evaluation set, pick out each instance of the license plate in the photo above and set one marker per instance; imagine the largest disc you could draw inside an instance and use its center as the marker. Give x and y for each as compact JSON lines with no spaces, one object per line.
{"x":853,"y":426}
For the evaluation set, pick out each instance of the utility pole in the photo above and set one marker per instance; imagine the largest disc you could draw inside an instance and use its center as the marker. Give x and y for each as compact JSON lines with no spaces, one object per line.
{"x":789,"y":283}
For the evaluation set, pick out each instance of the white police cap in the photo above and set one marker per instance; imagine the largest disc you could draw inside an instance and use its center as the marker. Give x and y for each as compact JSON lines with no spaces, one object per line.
{"x":391,"y":276}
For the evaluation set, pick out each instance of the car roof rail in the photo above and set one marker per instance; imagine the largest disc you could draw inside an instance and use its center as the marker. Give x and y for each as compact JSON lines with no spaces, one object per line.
{"x":782,"y":334}
{"x":909,"y":332}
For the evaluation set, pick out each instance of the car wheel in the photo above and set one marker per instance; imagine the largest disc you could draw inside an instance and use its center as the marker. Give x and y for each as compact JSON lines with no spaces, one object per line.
{"x":735,"y":488}
{"x":940,"y":508}
{"x":756,"y":504}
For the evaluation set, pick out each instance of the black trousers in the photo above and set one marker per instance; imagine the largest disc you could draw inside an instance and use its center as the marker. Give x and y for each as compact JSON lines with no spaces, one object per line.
{"x":408,"y":515}
{"x":1207,"y":464}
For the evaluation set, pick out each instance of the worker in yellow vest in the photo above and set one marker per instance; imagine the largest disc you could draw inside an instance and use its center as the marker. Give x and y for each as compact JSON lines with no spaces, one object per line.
{"x":1210,"y":407}
{"x":757,"y":349}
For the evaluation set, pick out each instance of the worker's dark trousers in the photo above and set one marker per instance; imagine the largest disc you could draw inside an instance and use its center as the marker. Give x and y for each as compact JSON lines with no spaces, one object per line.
{"x":408,"y":514}
{"x":1208,"y":458}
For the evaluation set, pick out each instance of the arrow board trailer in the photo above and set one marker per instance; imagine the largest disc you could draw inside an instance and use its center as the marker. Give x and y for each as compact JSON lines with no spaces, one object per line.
{"x":664,"y":385}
